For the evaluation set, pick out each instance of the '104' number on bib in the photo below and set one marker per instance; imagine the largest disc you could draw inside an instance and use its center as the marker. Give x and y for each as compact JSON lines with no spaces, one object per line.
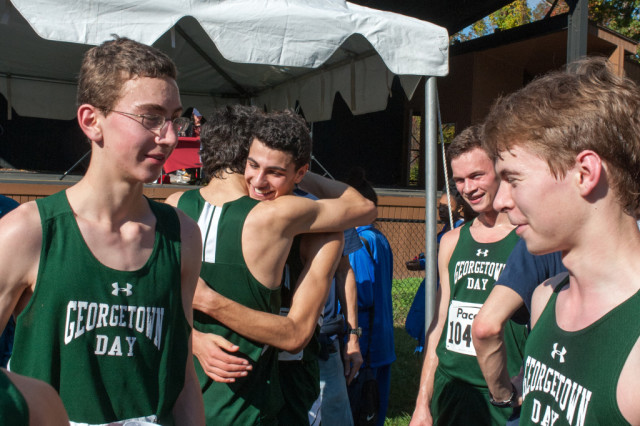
{"x":461,"y":315}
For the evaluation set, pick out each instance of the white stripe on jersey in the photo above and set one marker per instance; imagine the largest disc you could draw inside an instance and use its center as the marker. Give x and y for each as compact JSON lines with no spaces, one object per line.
{"x":208,"y":224}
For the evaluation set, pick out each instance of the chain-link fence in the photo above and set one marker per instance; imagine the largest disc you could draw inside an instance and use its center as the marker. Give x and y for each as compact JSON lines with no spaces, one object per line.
{"x":407,"y":240}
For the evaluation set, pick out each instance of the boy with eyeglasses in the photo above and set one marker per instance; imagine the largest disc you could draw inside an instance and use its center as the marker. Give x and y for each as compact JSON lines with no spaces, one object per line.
{"x":100,"y":278}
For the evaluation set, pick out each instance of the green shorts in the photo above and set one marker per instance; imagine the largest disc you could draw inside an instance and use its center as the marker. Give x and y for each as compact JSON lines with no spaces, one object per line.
{"x":457,"y":403}
{"x":300,"y":383}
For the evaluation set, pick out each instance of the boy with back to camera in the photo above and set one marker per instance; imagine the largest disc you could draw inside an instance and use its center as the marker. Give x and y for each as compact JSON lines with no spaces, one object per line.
{"x":247,"y":243}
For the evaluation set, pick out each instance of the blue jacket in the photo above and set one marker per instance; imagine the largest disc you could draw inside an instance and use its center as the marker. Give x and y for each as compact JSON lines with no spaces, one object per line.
{"x":373,"y":269}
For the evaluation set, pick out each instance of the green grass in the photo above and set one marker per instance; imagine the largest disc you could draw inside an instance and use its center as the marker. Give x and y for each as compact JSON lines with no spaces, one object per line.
{"x":405,"y":379}
{"x":402,"y":293}
{"x":405,"y":371}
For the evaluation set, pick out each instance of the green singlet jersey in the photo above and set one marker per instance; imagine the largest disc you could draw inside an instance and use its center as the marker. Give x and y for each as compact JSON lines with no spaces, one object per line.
{"x":255,"y":399}
{"x":299,"y":373}
{"x":460,"y":391}
{"x":570,"y":378}
{"x":14,"y":410}
{"x":112,"y":343}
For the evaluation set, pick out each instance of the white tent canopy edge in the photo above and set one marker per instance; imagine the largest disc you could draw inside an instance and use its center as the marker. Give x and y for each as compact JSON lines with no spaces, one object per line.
{"x":279,"y":52}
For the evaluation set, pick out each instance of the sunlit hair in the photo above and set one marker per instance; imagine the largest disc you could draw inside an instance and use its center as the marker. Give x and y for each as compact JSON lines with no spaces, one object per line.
{"x":285,"y":131}
{"x":469,"y":139}
{"x":107,"y":67}
{"x":559,"y":115}
{"x":225,"y":139}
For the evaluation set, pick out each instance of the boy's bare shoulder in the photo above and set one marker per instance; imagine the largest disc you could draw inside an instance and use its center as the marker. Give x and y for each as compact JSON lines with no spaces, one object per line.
{"x":173,"y":199}
{"x":20,"y":245}
{"x":286,"y":208}
{"x":542,"y":293}
{"x":22,"y":225}
{"x":449,"y":240}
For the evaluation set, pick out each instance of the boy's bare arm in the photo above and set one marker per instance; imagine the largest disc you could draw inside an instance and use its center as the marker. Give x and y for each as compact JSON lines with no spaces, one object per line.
{"x":20,"y":246}
{"x":173,"y":199}
{"x":422,"y":412}
{"x":340,"y":207}
{"x":488,"y":339}
{"x":189,"y":408}
{"x":45,"y":406}
{"x":290,"y":333}
{"x":347,"y":291}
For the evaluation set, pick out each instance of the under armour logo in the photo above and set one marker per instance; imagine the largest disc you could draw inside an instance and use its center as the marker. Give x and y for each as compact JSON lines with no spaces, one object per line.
{"x":560,"y":354}
{"x":126,"y":290}
{"x":481,"y":252}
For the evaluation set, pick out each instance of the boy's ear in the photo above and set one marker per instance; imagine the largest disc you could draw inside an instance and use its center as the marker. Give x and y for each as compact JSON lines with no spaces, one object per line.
{"x":589,"y":169}
{"x":90,"y":123}
{"x":301,"y":172}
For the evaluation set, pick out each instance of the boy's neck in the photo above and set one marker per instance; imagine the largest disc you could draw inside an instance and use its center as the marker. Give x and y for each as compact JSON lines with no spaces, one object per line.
{"x":492,"y":219}
{"x":605,"y":253}
{"x":106,"y":199}
{"x":227,"y":187}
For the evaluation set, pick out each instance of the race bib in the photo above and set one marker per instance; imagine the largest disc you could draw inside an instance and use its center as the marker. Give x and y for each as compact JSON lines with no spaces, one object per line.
{"x":461,"y":315}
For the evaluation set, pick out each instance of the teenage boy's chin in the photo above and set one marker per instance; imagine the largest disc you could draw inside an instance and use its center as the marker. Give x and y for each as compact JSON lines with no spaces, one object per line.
{"x":481,"y":206}
{"x":153,"y":178}
{"x":537,"y":247}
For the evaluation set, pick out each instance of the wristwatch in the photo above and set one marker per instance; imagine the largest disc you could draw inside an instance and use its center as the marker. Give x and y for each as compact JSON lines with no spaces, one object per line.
{"x":506,"y":403}
{"x":357,"y":331}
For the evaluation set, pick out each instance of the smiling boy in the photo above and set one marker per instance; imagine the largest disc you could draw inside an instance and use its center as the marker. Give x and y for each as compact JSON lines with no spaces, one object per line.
{"x":246,"y":245}
{"x":471,"y":257}
{"x":567,"y":148}
{"x":101,"y":279}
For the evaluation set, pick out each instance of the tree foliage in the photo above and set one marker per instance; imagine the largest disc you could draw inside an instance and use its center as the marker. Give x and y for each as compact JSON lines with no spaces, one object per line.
{"x":622,"y":16}
{"x":511,"y":16}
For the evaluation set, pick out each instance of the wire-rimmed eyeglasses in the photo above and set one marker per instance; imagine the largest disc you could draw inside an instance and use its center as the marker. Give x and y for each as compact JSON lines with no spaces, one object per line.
{"x":155,"y":122}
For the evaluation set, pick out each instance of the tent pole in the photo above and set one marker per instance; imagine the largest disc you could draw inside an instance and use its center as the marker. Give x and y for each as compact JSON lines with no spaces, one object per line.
{"x":431,"y":138}
{"x":578,"y":29}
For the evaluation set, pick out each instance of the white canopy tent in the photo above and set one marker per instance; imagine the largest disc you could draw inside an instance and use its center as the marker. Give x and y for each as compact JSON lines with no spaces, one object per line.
{"x":272,"y":53}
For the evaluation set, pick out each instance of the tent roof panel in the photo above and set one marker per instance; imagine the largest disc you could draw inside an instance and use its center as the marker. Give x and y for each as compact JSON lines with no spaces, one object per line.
{"x":250,"y":50}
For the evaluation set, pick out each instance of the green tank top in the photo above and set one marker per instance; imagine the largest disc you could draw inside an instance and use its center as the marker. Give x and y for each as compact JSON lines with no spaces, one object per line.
{"x":256,"y":398}
{"x":112,"y":343}
{"x":13,"y":407}
{"x":473,"y":269}
{"x":570,"y":378}
{"x":299,"y":373}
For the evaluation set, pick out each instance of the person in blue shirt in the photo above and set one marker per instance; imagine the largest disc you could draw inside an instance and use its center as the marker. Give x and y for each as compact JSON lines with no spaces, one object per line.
{"x":373,"y":269}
